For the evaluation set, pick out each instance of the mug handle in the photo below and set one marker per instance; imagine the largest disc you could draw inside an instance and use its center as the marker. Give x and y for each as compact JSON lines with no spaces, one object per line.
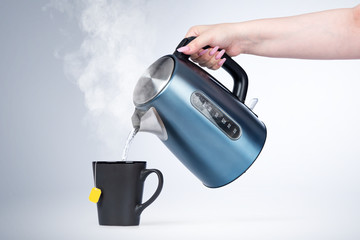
{"x":144,"y":173}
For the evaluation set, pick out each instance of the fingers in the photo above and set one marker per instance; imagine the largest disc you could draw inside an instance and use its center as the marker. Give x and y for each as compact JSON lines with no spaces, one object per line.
{"x":195,"y":45}
{"x":210,"y":58}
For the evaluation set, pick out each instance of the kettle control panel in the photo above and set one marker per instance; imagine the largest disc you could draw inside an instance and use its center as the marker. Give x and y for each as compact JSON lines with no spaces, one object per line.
{"x":215,"y":115}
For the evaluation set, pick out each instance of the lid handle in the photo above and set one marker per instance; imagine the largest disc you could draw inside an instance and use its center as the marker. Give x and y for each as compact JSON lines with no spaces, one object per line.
{"x":235,"y":70}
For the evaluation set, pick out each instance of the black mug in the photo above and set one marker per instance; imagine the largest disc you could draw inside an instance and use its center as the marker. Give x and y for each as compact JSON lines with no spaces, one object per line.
{"x":121,"y":185}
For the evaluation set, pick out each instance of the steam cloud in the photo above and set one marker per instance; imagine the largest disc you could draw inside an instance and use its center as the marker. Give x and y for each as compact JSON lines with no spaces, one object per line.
{"x":112,"y":56}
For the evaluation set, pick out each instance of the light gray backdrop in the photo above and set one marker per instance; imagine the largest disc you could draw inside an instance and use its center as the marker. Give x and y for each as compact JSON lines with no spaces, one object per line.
{"x":67,"y":70}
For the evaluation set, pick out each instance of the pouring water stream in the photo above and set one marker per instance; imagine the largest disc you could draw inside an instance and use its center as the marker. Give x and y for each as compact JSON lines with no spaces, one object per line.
{"x":129,"y":140}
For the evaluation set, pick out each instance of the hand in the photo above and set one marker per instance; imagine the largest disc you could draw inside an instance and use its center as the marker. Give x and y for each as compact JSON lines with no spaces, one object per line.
{"x":218,"y":36}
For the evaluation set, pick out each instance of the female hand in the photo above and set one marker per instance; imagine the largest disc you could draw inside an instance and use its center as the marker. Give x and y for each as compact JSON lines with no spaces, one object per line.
{"x":218,"y":36}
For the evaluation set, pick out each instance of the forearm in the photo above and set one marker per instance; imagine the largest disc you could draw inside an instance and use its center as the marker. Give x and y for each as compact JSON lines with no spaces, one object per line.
{"x":333,"y":34}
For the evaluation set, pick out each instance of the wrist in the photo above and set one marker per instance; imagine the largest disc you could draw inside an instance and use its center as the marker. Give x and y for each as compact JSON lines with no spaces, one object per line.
{"x":246,"y":40}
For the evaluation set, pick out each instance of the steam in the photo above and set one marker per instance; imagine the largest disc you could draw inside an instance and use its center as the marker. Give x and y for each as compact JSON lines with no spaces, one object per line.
{"x":115,"y":51}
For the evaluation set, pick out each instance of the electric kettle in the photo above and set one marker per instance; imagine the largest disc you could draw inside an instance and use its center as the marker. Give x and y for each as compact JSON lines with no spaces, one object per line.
{"x":206,"y":126}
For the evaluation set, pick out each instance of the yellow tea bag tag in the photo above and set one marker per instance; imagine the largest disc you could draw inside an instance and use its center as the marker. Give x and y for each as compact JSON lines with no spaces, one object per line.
{"x":95,"y":195}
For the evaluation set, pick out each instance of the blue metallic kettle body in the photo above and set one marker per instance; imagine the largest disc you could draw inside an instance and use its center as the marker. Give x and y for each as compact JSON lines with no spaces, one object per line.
{"x":207,"y":127}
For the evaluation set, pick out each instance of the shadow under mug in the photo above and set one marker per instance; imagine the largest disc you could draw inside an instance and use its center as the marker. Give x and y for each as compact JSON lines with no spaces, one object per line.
{"x":122,"y":185}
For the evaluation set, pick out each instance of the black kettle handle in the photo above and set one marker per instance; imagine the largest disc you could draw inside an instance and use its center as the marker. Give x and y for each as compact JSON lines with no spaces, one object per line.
{"x":234,"y":69}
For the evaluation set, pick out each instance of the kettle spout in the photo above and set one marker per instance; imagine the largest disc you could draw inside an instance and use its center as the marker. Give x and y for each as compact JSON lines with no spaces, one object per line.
{"x":149,"y":121}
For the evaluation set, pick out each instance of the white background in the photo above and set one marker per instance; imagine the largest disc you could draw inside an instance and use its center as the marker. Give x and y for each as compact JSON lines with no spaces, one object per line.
{"x":304,"y":185}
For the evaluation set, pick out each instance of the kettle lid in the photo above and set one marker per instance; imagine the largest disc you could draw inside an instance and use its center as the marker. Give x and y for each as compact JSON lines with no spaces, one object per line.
{"x":153,"y":80}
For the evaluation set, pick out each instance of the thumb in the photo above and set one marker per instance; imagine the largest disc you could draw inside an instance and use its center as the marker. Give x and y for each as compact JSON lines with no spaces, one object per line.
{"x":195,"y":45}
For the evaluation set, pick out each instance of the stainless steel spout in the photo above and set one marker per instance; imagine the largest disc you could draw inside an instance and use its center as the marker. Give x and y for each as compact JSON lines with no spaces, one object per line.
{"x":149,"y":121}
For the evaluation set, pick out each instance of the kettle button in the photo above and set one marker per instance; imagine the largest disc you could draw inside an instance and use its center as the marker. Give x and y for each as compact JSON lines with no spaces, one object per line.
{"x":236,"y":133}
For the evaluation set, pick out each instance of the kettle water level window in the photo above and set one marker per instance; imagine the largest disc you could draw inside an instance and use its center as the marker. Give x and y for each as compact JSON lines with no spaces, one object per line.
{"x":215,"y":115}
